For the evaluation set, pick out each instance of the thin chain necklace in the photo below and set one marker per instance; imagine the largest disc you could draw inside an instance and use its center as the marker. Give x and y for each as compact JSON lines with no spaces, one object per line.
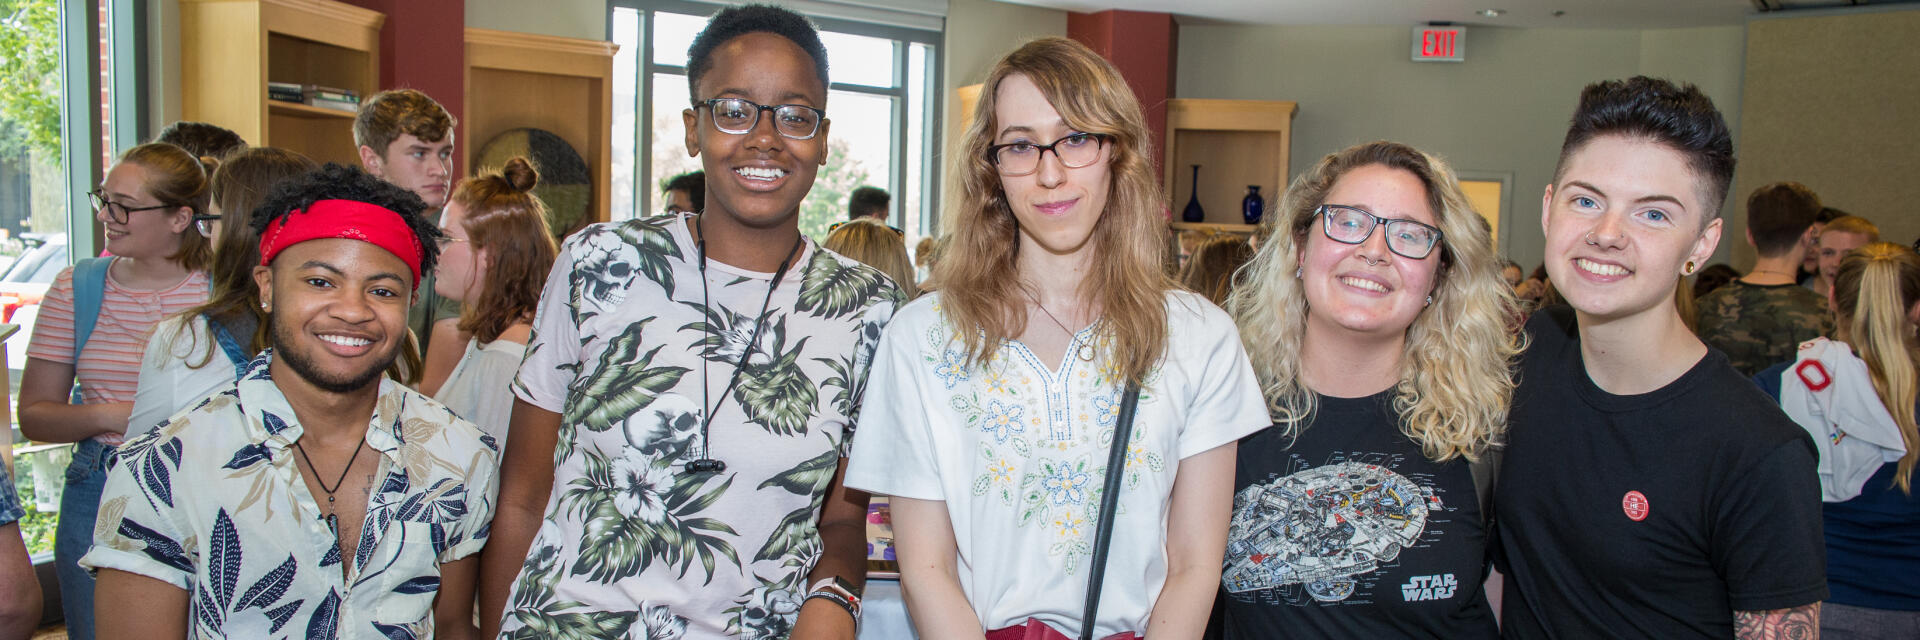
{"x":333,"y":523}
{"x":1085,"y":351}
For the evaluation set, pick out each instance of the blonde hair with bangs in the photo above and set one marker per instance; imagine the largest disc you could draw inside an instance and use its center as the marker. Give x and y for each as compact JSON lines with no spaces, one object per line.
{"x":1124,"y":278}
{"x":1456,"y":375}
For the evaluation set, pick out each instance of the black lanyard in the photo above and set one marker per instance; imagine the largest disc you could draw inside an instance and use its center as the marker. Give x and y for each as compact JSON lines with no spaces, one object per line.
{"x":706,"y":463}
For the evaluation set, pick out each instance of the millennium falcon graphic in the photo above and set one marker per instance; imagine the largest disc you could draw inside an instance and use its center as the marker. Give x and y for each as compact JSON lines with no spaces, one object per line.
{"x":1320,"y":527}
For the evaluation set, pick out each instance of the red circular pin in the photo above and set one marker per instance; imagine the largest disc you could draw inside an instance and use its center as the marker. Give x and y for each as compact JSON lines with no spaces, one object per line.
{"x":1635,"y":504}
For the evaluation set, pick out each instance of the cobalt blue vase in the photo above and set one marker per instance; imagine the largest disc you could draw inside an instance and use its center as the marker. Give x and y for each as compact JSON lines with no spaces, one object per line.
{"x":1194,"y":213}
{"x":1253,"y":205}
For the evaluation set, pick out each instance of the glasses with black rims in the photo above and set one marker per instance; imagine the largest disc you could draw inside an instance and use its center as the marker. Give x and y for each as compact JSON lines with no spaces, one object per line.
{"x":204,"y":222}
{"x":738,"y":117}
{"x":1074,"y":151}
{"x":1353,"y":225}
{"x":118,"y":213}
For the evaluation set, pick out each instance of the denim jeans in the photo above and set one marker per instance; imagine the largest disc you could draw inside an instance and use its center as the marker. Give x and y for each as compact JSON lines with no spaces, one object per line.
{"x":79,"y":507}
{"x":1843,"y":622}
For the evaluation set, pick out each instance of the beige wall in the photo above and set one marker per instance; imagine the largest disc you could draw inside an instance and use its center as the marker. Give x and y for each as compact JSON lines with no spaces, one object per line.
{"x":1833,"y":102}
{"x":584,"y":19}
{"x":979,"y":32}
{"x":1502,"y":111}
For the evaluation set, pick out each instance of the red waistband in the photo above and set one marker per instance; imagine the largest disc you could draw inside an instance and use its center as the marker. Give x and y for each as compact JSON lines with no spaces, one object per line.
{"x":1037,"y":630}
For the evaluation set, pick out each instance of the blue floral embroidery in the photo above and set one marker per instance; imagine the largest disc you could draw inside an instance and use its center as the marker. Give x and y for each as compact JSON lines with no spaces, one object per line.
{"x":1003,"y":420}
{"x":1106,"y":409}
{"x":1066,"y":485}
{"x":952,"y":368}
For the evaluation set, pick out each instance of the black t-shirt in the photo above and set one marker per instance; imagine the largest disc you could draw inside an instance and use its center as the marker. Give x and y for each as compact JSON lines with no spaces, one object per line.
{"x":1351,"y":532}
{"x":1655,"y":515}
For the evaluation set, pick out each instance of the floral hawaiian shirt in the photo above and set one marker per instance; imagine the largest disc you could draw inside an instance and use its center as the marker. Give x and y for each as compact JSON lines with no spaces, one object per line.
{"x":634,"y":545}
{"x":213,"y":502}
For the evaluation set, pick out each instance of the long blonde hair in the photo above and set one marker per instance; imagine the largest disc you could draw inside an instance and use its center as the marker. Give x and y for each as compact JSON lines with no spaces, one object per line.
{"x":1873,"y":288}
{"x":1126,"y":281}
{"x":1456,"y":371}
{"x":876,"y":245}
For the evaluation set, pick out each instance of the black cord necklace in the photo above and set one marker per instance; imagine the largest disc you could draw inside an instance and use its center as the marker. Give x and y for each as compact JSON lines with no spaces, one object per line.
{"x":706,"y":463}
{"x":333,"y":524}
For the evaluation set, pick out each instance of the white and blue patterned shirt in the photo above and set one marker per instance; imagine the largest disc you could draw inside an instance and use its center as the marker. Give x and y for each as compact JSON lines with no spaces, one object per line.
{"x":213,"y":502}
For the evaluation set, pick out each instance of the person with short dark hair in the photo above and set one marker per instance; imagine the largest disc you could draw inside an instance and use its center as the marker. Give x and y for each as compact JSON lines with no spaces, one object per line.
{"x":1758,"y":319}
{"x":868,"y":202}
{"x":692,"y":386}
{"x":1713,"y":277}
{"x":202,"y":139}
{"x":313,"y":497}
{"x":1648,"y":489}
{"x":686,"y":193}
{"x":1809,"y":272}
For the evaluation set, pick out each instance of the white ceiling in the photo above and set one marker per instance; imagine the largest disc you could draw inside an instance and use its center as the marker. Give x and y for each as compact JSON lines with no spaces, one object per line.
{"x":1637,"y":14}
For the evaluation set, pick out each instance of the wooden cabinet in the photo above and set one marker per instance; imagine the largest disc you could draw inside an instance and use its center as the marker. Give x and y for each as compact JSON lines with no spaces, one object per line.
{"x":231,"y":49}
{"x":563,"y":86}
{"x":1236,"y":143}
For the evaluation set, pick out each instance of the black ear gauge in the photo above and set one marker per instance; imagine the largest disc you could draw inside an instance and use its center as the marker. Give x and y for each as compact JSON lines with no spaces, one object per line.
{"x":706,"y":465}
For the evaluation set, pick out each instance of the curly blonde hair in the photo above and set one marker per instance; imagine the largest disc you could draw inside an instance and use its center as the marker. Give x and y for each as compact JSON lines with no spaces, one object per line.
{"x":1456,"y":375}
{"x":1125,"y":279}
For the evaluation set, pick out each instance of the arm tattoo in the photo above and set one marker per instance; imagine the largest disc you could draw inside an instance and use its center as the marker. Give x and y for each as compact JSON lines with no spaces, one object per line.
{"x":1798,"y":623}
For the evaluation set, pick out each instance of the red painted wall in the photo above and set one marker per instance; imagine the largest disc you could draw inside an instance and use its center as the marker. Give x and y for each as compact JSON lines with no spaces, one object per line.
{"x":1146,"y":58}
{"x":423,"y":47}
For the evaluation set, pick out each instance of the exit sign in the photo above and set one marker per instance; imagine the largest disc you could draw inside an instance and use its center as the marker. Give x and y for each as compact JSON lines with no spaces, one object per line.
{"x":1439,"y":44}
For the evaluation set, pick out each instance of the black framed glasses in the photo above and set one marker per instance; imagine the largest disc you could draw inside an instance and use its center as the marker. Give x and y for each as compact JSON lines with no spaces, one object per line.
{"x":118,"y":213}
{"x":1021,"y":158}
{"x":1353,"y":225}
{"x":738,"y":117}
{"x":204,"y":222}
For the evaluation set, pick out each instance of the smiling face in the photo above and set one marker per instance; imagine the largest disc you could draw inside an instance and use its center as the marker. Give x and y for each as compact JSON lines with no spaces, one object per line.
{"x":460,"y":269}
{"x":1624,"y":218}
{"x":149,"y":234}
{"x":338,"y":312}
{"x":1056,"y":206}
{"x":425,"y":168}
{"x":758,"y":177}
{"x":1365,"y":288}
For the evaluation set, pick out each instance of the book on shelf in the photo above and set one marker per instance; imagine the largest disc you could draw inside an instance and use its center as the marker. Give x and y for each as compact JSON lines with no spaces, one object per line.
{"x":315,"y":95}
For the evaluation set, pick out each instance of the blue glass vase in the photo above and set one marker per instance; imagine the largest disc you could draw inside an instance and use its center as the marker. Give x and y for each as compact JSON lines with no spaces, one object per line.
{"x":1193,"y":212}
{"x":1253,"y":205}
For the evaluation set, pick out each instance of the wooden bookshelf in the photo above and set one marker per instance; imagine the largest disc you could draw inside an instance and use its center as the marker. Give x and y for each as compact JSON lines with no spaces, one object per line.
{"x":1236,"y":143}
{"x":561,"y":85}
{"x":231,"y":49}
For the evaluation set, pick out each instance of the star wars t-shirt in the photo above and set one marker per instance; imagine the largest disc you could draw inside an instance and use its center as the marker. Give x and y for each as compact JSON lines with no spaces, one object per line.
{"x":1350,"y":532}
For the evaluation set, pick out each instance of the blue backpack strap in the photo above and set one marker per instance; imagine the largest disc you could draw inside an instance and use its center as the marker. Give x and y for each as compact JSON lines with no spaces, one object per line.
{"x":89,"y":286}
{"x":235,"y":353}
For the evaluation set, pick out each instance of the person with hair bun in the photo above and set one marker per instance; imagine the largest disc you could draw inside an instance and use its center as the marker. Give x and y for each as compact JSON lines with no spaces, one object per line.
{"x":94,"y":325}
{"x":1856,"y":395}
{"x":496,"y":251}
{"x":203,"y":349}
{"x":1379,"y":326}
{"x":1055,"y":338}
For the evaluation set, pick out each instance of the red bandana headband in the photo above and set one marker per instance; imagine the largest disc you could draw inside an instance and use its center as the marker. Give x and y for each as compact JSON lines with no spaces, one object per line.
{"x":349,"y":219}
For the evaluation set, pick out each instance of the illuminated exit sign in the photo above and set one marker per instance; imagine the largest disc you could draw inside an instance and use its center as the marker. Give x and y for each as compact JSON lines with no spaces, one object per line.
{"x":1439,"y":44}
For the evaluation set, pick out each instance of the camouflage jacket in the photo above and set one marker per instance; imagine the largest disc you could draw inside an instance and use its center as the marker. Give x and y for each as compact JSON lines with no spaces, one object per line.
{"x":1760,"y":325}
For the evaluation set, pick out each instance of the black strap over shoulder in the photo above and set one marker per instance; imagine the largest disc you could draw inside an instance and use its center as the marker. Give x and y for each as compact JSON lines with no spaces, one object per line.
{"x":1109,"y":503}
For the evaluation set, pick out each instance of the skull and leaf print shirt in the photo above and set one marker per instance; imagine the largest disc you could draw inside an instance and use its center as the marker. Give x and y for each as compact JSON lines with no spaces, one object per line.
{"x":213,"y":502}
{"x":633,"y":544}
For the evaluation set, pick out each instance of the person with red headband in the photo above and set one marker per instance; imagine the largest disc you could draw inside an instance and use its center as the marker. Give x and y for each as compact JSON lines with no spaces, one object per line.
{"x":313,"y":497}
